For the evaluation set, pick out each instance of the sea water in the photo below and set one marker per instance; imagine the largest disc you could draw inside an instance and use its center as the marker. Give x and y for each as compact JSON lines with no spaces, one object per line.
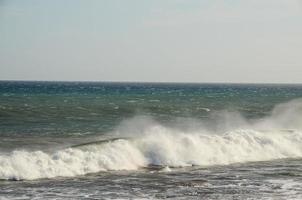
{"x":94,"y":140}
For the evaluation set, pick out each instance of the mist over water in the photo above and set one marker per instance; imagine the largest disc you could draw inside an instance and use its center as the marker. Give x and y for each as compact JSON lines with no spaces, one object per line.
{"x":145,"y":142}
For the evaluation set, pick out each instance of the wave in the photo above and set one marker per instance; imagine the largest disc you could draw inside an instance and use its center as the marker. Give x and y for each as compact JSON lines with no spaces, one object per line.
{"x":153,"y":144}
{"x":161,"y":147}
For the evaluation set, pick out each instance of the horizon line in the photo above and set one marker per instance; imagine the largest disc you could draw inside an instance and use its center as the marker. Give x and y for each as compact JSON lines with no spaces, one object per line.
{"x":151,"y":82}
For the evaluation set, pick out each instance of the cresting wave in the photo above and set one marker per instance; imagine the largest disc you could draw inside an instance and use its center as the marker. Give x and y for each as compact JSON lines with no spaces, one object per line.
{"x":161,"y":145}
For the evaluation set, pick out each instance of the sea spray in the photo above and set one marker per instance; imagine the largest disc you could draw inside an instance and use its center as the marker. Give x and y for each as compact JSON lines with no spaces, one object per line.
{"x":160,"y":146}
{"x":149,"y":142}
{"x":118,"y":155}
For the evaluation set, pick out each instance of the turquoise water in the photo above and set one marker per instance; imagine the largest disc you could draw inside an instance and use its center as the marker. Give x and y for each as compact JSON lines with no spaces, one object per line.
{"x":99,"y":140}
{"x":59,"y":108}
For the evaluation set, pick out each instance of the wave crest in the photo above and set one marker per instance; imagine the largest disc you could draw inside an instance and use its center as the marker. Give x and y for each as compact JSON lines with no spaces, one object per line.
{"x":155,"y":144}
{"x":162,"y":146}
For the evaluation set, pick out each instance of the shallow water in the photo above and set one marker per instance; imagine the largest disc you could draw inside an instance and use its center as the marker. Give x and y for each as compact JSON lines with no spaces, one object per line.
{"x":279,"y":179}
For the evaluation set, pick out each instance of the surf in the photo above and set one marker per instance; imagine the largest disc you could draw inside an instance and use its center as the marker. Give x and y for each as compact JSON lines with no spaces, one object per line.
{"x":161,"y":147}
{"x":141,"y":143}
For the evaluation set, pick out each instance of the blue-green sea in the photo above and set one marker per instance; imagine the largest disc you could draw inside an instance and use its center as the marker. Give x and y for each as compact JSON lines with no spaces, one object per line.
{"x":103,"y":140}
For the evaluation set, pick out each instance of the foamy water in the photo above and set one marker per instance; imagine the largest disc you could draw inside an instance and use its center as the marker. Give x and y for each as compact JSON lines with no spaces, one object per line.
{"x":154,"y":144}
{"x":159,"y":146}
{"x":145,"y":141}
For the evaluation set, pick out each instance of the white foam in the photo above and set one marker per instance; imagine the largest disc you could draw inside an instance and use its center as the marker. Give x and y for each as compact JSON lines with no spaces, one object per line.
{"x":159,"y":146}
{"x":155,"y":144}
{"x":291,"y":188}
{"x":118,"y":155}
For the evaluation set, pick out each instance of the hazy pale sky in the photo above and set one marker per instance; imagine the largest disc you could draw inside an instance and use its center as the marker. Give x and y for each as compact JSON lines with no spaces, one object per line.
{"x":152,"y":40}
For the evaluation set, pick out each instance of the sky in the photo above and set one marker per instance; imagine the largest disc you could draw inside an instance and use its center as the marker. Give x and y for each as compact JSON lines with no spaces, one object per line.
{"x":251,"y":41}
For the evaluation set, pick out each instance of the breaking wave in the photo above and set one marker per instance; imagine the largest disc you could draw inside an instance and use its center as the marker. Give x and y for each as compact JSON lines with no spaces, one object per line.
{"x":151,"y":143}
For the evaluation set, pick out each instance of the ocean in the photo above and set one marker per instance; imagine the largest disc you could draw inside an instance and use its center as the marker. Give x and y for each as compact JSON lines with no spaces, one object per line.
{"x":101,"y":140}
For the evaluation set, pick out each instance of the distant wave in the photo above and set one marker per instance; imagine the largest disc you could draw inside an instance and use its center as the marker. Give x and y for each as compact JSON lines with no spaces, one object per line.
{"x":275,"y":137}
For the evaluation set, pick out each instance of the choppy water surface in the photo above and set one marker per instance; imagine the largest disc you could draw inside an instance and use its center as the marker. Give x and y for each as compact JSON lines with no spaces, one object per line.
{"x":150,"y":141}
{"x":279,"y":179}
